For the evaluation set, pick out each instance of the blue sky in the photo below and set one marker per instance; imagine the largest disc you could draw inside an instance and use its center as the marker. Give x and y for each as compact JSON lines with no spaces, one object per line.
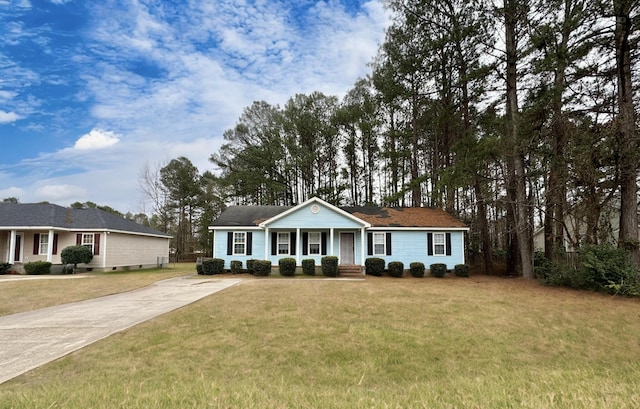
{"x":92,"y":91}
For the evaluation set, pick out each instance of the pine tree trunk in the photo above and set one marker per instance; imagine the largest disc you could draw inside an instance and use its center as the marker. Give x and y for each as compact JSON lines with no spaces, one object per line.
{"x":483,"y":226}
{"x":416,"y":191}
{"x":628,"y":138}
{"x":523,"y":231}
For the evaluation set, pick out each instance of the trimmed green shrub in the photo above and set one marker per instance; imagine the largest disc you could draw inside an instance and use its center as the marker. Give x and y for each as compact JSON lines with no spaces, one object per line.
{"x":37,"y":267}
{"x":329,"y":266}
{"x":250,"y":263}
{"x":461,"y":270}
{"x":236,"y":266}
{"x":374,"y":266}
{"x":4,"y":268}
{"x":262,"y":268}
{"x":76,"y":255}
{"x":396,"y":269}
{"x":416,"y":269}
{"x":309,"y":266}
{"x":438,"y":269}
{"x":208,"y":267}
{"x":287,"y":266}
{"x":199,"y":269}
{"x":218,"y":266}
{"x":213,"y":266}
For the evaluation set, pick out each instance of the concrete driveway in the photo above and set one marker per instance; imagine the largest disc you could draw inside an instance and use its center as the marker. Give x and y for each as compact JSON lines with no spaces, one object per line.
{"x":33,"y":338}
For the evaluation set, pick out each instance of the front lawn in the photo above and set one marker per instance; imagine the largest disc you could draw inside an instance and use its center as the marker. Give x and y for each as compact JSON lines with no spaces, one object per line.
{"x":28,"y":293}
{"x":482,"y":342}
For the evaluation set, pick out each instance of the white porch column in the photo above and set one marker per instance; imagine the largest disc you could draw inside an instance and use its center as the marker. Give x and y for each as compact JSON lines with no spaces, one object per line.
{"x":266,"y":243}
{"x":213,"y":245}
{"x":105,"y":246}
{"x":463,"y":260}
{"x":50,"y":247}
{"x":362,"y":245}
{"x":298,"y":246}
{"x":331,"y":242}
{"x":11,"y":257}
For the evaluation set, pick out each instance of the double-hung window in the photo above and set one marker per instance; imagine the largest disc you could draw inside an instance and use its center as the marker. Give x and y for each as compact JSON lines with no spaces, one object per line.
{"x":379,"y":244}
{"x":283,"y":243}
{"x":87,"y":241}
{"x":314,"y":242}
{"x":439,"y":244}
{"x":43,"y":246}
{"x":239,"y":243}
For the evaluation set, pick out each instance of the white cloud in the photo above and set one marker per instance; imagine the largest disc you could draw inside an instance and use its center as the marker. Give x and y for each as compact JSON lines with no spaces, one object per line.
{"x":6,"y":96}
{"x":109,"y":178}
{"x":12,"y":192}
{"x":197,"y":151}
{"x":60,"y":193}
{"x":96,"y":139}
{"x":219,"y":57}
{"x":8,"y":117}
{"x":161,"y":81}
{"x":14,"y":3}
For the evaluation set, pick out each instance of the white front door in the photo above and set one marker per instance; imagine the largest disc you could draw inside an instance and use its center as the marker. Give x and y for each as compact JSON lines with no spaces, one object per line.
{"x":347,"y":248}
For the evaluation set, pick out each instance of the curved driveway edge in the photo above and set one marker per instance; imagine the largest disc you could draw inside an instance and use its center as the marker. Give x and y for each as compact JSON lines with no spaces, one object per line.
{"x":34,"y":338}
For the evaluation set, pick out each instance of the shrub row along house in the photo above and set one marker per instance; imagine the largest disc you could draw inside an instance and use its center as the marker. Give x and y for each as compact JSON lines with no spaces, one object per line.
{"x":39,"y":232}
{"x":316,"y":228}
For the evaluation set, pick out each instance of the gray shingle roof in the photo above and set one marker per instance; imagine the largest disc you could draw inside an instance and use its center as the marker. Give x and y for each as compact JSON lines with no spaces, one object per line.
{"x":26,"y":215}
{"x":248,"y":215}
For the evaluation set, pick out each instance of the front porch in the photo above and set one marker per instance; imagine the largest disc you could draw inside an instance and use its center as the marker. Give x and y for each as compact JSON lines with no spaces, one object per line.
{"x":305,"y":243}
{"x":14,"y":242}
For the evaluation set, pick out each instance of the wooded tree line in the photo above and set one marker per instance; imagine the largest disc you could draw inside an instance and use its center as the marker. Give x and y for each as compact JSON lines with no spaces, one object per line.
{"x":509,"y":114}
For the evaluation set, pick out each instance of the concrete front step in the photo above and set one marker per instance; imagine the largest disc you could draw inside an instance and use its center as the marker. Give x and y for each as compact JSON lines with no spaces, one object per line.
{"x":350,"y":271}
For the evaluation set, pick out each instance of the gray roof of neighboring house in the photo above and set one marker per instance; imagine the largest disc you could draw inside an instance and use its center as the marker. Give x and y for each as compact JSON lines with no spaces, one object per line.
{"x":30,"y":215}
{"x":248,"y":215}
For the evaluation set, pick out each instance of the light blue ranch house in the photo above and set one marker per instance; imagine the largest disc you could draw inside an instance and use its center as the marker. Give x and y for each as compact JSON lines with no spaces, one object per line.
{"x":315,"y":228}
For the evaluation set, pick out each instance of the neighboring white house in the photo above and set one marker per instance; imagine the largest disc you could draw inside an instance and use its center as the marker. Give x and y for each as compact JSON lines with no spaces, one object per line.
{"x":39,"y":232}
{"x":576,"y":229}
{"x":316,"y":228}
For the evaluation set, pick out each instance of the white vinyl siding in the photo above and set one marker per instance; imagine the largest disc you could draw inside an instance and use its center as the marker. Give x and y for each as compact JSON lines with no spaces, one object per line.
{"x":132,"y":250}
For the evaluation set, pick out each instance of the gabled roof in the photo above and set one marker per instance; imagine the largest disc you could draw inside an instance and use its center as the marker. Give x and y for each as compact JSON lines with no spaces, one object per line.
{"x":405,"y":217}
{"x":401,"y":217}
{"x":34,"y":215}
{"x":316,"y":201}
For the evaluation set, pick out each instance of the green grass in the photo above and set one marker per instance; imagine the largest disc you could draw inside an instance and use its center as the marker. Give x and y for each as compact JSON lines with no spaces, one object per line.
{"x":29,"y":294}
{"x":383,"y":343}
